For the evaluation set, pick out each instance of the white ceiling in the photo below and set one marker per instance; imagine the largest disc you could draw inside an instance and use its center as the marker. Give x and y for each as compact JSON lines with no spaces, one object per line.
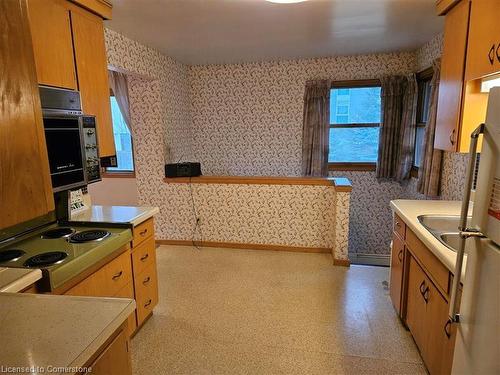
{"x":228,"y":31}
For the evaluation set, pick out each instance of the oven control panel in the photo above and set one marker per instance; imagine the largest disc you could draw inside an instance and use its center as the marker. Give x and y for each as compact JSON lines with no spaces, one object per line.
{"x":91,"y":149}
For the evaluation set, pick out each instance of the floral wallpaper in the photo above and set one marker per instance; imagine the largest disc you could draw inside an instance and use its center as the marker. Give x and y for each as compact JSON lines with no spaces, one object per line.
{"x":429,"y":52}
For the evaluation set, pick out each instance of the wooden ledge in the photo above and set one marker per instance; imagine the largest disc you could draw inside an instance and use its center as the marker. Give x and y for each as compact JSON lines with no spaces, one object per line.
{"x":340,"y":184}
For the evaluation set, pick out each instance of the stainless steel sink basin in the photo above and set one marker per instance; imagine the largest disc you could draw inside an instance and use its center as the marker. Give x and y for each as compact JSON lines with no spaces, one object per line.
{"x":440,"y":223}
{"x":444,"y":228}
{"x":452,"y":240}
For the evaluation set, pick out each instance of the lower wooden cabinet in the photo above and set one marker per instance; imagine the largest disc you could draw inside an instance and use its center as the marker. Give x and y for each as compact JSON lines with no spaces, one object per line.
{"x":397,"y":259}
{"x":114,"y":359}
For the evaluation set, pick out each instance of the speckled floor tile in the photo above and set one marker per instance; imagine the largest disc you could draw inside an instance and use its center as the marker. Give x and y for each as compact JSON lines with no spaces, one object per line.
{"x":259,"y":312}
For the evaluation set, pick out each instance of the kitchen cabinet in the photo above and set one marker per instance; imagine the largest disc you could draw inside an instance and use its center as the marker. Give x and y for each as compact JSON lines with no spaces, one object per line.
{"x":397,"y":259}
{"x":423,"y":297}
{"x":114,"y":359}
{"x":52,"y":43}
{"x":25,"y":186}
{"x":69,"y":48}
{"x":471,"y":51}
{"x":483,"y":50}
{"x":452,"y":75}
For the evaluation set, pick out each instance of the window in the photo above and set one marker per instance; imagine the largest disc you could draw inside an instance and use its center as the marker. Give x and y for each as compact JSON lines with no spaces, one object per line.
{"x":354,"y":124}
{"x":423,"y":109}
{"x":123,"y":142}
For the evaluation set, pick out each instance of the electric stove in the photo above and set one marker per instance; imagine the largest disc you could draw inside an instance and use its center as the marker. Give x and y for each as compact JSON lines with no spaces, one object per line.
{"x":62,"y":252}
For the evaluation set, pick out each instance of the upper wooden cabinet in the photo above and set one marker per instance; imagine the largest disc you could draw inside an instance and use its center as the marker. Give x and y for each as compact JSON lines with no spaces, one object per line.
{"x":91,"y":66}
{"x":483,"y":51}
{"x":25,"y":186}
{"x":70,"y":53}
{"x":52,"y":43}
{"x":471,"y":51}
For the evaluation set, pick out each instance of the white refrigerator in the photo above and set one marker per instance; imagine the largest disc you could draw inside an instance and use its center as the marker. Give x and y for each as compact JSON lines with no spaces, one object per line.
{"x":477,"y":348}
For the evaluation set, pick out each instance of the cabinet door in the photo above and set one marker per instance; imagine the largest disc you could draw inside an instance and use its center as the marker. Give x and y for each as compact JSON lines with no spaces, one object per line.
{"x":483,"y":51}
{"x":452,"y":77}
{"x":418,"y":284}
{"x":441,"y":337}
{"x":115,"y":359}
{"x":91,"y":67}
{"x":25,"y":186}
{"x":397,"y":257}
{"x":52,"y":44}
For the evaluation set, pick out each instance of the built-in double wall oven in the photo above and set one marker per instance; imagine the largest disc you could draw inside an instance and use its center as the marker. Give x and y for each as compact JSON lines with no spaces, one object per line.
{"x":71,"y":139}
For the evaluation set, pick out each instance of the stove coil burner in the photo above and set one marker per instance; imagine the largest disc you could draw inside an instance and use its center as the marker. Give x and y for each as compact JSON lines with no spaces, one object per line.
{"x":11,"y":255}
{"x":57,"y":233}
{"x":89,"y":235}
{"x":45,"y":259}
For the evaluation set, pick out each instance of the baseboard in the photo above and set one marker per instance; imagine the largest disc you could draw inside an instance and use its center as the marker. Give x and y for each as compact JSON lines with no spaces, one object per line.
{"x":250,"y":246}
{"x":371,"y":259}
{"x":341,"y":262}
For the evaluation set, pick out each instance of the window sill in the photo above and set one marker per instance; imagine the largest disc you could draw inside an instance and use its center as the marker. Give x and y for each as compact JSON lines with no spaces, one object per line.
{"x":352,"y":166}
{"x":108,"y":174}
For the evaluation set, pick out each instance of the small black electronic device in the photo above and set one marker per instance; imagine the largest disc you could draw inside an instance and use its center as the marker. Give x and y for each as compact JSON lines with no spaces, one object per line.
{"x":188,"y":169}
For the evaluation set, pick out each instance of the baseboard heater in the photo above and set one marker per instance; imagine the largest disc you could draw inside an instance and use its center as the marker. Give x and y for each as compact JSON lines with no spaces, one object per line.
{"x":370,"y":259}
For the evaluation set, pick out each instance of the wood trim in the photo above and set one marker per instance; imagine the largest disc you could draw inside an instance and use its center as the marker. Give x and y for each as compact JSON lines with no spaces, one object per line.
{"x":109,"y":174}
{"x":341,"y":262}
{"x":352,"y":166}
{"x":443,"y":6}
{"x":356,"y":83}
{"x":426,"y":74}
{"x":102,"y":8}
{"x":355,"y":125}
{"x":249,"y":246}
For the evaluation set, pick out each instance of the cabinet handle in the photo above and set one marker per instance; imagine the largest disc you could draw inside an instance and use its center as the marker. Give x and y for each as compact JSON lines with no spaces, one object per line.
{"x":422,"y":287}
{"x":400,"y":255}
{"x":148,"y":303}
{"x":452,"y":137}
{"x":144,"y":257}
{"x":426,"y":294}
{"x":146,"y":280}
{"x":491,"y":54}
{"x":143,"y":233}
{"x":498,"y":52}
{"x":398,"y":224}
{"x":447,"y":328}
{"x":116,"y":276}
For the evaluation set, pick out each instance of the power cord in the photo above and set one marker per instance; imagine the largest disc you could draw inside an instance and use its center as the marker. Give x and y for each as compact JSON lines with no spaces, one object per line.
{"x":197,"y":226}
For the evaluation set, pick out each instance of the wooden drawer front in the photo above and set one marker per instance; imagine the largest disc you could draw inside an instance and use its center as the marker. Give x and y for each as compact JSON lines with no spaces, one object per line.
{"x":128,"y":292}
{"x":107,"y":281}
{"x":143,"y":231}
{"x":143,"y":255}
{"x":399,"y":227}
{"x":146,"y":292}
{"x":435,"y":269}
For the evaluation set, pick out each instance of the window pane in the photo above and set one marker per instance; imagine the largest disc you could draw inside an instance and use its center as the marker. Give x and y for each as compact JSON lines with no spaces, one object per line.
{"x":123,"y":140}
{"x":419,"y":140}
{"x":353,"y":145}
{"x":359,"y":105}
{"x":424,"y":93}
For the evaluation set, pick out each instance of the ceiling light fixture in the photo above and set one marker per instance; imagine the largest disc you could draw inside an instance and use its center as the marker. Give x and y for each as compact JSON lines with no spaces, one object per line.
{"x":286,"y":1}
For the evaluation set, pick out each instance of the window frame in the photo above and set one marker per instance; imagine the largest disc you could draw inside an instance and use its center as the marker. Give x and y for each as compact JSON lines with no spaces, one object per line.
{"x":422,"y":77}
{"x":354,"y":166}
{"x":105,"y":173}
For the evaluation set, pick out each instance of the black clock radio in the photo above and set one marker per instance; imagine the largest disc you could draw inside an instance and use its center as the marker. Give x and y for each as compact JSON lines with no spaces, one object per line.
{"x":188,"y":169}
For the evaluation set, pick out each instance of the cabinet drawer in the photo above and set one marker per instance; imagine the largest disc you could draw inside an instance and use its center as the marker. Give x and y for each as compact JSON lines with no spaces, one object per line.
{"x":143,"y":255}
{"x":146,"y":292}
{"x":107,"y":281}
{"x":399,"y":227}
{"x":128,"y":292}
{"x":143,"y":231}
{"x":433,"y":266}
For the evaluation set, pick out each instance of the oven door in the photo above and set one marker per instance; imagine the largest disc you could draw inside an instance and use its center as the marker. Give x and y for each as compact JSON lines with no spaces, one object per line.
{"x":63,"y":136}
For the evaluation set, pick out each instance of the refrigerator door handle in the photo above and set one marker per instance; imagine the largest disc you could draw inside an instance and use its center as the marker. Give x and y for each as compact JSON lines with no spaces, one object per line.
{"x":464,"y":231}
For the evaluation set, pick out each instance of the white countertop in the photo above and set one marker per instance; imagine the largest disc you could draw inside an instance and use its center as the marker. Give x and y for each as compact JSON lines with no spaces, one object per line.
{"x":115,"y":214}
{"x":59,"y":331}
{"x":409,"y":210}
{"x":16,"y":279}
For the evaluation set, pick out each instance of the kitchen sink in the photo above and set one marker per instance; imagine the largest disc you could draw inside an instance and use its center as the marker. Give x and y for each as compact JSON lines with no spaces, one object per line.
{"x":444,"y":228}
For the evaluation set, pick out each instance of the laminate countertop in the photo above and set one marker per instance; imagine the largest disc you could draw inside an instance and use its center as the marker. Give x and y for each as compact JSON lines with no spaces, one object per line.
{"x":16,"y":279}
{"x":409,"y":210}
{"x":52,"y":331}
{"x":115,"y":214}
